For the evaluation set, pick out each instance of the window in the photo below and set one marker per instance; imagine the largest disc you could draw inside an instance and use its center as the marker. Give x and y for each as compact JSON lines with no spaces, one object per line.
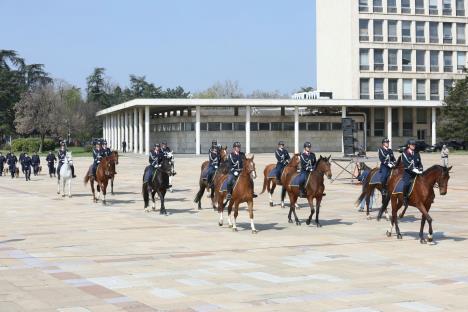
{"x":239,"y":126}
{"x":378,"y":89}
{"x":313,"y":126}
{"x":421,"y":115}
{"x":302,"y":126}
{"x":379,"y":121}
{"x":189,"y":126}
{"x":288,"y":126}
{"x":420,"y":60}
{"x":406,"y":31}
{"x":378,"y":60}
{"x":324,"y":126}
{"x":420,"y":89}
{"x":276,"y":126}
{"x":378,"y":30}
{"x":392,"y":60}
{"x":214,"y":126}
{"x":407,"y":89}
{"x":391,"y":6}
{"x":393,"y":89}
{"x":448,"y":64}
{"x":434,"y":90}
{"x":264,"y":126}
{"x":461,"y":60}
{"x":461,"y":33}
{"x":253,"y":126}
{"x":434,"y":32}
{"x":392,"y":31}
{"x":395,"y":122}
{"x":405,"y":6}
{"x":407,"y":122}
{"x":419,"y":9}
{"x":226,"y":126}
{"x":434,"y":61}
{"x":447,"y":32}
{"x":378,"y":6}
{"x":364,"y":59}
{"x":406,"y":60}
{"x":460,"y":7}
{"x":447,"y":7}
{"x":363,"y":6}
{"x":433,"y":9}
{"x":203,"y":126}
{"x":448,"y":85}
{"x":336,"y":126}
{"x":363,"y":30}
{"x":364,"y":88}
{"x":420,"y":37}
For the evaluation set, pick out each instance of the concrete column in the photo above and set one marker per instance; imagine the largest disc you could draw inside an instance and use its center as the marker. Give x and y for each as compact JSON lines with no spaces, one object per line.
{"x":119,"y":132}
{"x":147,"y":130}
{"x":135,"y":130}
{"x":415,"y":131}
{"x":197,"y":130}
{"x":343,"y":115}
{"x":111,"y":134}
{"x":372,"y":123}
{"x":400,"y":122}
{"x":433,"y":126}
{"x":140,"y":130}
{"x":389,"y":124}
{"x":296,"y":129}
{"x":247,"y":129}
{"x":130,"y":132}
{"x":126,"y":128}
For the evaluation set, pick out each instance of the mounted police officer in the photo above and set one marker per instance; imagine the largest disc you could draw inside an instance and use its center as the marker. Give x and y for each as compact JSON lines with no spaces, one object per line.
{"x":413,"y":167}
{"x":164,"y":148}
{"x":12,"y":160}
{"x":214,"y":158}
{"x":236,"y":164}
{"x":308,"y":161}
{"x":51,"y":159}
{"x":97,"y":156}
{"x":35,"y":162}
{"x":106,"y":151}
{"x":282,"y":158}
{"x":2,"y":163}
{"x":387,"y":162}
{"x":62,"y":153}
{"x":167,"y":152}
{"x":155,"y":158}
{"x":27,"y":166}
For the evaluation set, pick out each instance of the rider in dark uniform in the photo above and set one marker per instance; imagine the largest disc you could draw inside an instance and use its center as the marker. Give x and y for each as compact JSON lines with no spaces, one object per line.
{"x":164,"y":148}
{"x":308,"y":161}
{"x":27,"y":166}
{"x":21,"y":159}
{"x":214,"y":158}
{"x":165,"y":151}
{"x":282,"y":158}
{"x":236,"y":164}
{"x":35,"y":162}
{"x":2,"y":163}
{"x":51,"y":159}
{"x":97,"y":156}
{"x":155,"y":158}
{"x":413,"y":167}
{"x":12,"y":160}
{"x":61,"y":158}
{"x":387,"y":162}
{"x":106,"y":151}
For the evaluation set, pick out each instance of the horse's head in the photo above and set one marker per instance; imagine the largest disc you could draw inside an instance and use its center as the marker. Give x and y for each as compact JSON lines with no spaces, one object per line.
{"x":166,"y":165}
{"x":443,"y":179}
{"x":324,"y":166}
{"x":116,"y":157}
{"x":69,"y":158}
{"x":223,"y":153}
{"x":249,"y":167}
{"x":295,"y":160}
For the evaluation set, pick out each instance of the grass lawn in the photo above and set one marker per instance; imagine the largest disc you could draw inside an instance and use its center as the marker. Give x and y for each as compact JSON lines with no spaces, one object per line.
{"x":76,"y":152}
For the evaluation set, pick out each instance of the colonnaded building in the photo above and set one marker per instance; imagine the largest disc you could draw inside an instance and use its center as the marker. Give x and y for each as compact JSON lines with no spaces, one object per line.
{"x":387,"y":64}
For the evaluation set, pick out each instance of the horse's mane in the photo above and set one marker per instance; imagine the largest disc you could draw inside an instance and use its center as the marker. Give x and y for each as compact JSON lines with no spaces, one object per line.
{"x":398,"y":162}
{"x":290,"y":164}
{"x":432,"y":168}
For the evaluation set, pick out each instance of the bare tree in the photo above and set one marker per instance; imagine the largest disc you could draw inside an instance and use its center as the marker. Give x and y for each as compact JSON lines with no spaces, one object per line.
{"x":36,"y":112}
{"x":227,"y":90}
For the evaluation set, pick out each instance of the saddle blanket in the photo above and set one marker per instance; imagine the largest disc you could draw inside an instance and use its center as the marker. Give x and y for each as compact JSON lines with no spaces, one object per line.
{"x":400,"y":185}
{"x":224,"y":185}
{"x":272,"y":174}
{"x":375,"y":178}
{"x":205,"y":174}
{"x":297,"y":180}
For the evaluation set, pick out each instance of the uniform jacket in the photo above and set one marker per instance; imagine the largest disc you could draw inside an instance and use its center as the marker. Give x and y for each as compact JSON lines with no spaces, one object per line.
{"x":282,"y":156}
{"x":308,"y":161}
{"x":236,"y":163}
{"x":386,"y":156}
{"x":411,"y":161}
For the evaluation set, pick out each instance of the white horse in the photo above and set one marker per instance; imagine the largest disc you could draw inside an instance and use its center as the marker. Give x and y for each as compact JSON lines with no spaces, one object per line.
{"x":65,"y":175}
{"x":170,"y":156}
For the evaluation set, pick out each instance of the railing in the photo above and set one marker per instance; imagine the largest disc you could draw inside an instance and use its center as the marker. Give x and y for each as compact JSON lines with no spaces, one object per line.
{"x":461,"y":12}
{"x":393,"y":67}
{"x":434,"y":97}
{"x":378,"y":38}
{"x":406,"y":38}
{"x":364,"y":67}
{"x":448,"y":39}
{"x":378,"y":66}
{"x":363,"y":37}
{"x":434,"y":68}
{"x":379,"y":95}
{"x":421,"y":68}
{"x":419,"y":11}
{"x":434,"y":39}
{"x":392,"y":38}
{"x":405,"y":10}
{"x":378,"y":9}
{"x":420,"y":39}
{"x":421,"y":97}
{"x":407,"y":67}
{"x":461,"y":41}
{"x":448,"y":68}
{"x":393,"y":96}
{"x":433,"y":11}
{"x":364,"y":96}
{"x":447,"y":11}
{"x":407,"y":96}
{"x":363,"y":8}
{"x":392,"y":10}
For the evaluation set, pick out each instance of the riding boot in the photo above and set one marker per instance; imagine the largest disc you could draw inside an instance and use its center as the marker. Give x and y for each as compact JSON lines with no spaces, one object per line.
{"x":73,"y":171}
{"x":229,"y":191}
{"x":302,"y":191}
{"x":406,"y":195}
{"x":384,"y":191}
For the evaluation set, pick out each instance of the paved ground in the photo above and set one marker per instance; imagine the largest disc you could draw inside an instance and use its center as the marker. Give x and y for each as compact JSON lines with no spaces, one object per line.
{"x":73,"y":255}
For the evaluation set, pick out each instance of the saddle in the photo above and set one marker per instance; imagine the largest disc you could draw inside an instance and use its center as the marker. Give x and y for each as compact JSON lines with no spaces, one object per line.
{"x":224,"y":185}
{"x":400,"y":186}
{"x":296,"y":180}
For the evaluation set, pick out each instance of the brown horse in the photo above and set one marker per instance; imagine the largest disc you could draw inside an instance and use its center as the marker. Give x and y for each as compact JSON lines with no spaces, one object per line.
{"x":104,"y":171}
{"x":314,"y":187}
{"x":116,"y":157}
{"x":421,"y":197}
{"x":203,"y":183}
{"x":242,"y":193}
{"x":368,"y":188}
{"x":270,"y":184}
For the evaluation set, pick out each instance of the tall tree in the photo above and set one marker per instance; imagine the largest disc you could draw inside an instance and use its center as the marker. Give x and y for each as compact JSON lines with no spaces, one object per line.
{"x":453,"y":122}
{"x":96,"y":88}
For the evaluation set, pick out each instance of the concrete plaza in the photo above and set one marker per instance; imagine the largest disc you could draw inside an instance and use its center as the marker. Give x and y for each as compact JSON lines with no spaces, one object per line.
{"x":74,"y":255}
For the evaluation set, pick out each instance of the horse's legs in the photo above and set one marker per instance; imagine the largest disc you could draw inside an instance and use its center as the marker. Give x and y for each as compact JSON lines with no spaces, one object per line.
{"x":292,"y":209}
{"x":312,"y":210}
{"x":402,"y":214}
{"x":58,"y":185}
{"x":213,"y":201}
{"x":283,"y":194}
{"x":395,"y":216}
{"x":152,"y":199}
{"x":272,"y":190}
{"x":236,"y":213}
{"x":112,"y":185}
{"x":69,"y":188}
{"x":251,"y":215}
{"x":229,"y":213}
{"x":318,"y":202}
{"x":162,"y":194}
{"x":92,"y":189}
{"x":421,"y":230}
{"x":220,"y":208}
{"x":103,"y":190}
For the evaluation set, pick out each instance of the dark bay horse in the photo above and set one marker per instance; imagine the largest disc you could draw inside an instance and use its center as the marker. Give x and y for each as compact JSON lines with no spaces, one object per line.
{"x":158,"y":184}
{"x":114,"y":172}
{"x":103,"y":173}
{"x":270,"y":184}
{"x":314,"y":187}
{"x":203,"y":183}
{"x":421,"y":197}
{"x":368,"y":188}
{"x":242,"y":193}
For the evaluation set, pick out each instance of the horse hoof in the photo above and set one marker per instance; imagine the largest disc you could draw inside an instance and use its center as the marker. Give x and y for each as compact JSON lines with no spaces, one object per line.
{"x":423,"y":241}
{"x":63,"y":195}
{"x":271,"y":204}
{"x":220,"y":223}
{"x":298,"y":222}
{"x":308,"y":222}
{"x":234,"y":229}
{"x":254,"y":231}
{"x":369,"y":218}
{"x":389,"y":234}
{"x":290,"y":221}
{"x":69,"y":196}
{"x":429,"y":239}
{"x":230,"y":225}
{"x":319,"y":225}
{"x":400,"y":216}
{"x":399,"y":236}
{"x":58,"y":192}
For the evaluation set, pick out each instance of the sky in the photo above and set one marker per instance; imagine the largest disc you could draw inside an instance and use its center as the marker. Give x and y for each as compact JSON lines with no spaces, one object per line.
{"x":262,"y":44}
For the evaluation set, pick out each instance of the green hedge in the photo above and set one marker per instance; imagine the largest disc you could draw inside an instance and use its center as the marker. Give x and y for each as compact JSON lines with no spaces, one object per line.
{"x":32,"y":145}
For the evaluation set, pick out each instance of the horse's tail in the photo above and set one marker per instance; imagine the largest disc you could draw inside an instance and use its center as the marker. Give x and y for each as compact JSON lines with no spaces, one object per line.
{"x":86,"y":179}
{"x":144,"y":191}
{"x":199,"y":195}
{"x":385,"y":202}
{"x":365,"y":185}
{"x":265,"y":183}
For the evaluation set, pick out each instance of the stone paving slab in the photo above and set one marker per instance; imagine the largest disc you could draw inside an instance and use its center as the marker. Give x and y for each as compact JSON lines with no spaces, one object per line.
{"x":72,"y":255}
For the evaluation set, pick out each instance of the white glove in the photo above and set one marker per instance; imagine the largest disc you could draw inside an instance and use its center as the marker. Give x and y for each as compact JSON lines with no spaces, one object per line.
{"x":390,"y":165}
{"x":236,"y":173}
{"x":216,"y":167}
{"x":417,"y":171}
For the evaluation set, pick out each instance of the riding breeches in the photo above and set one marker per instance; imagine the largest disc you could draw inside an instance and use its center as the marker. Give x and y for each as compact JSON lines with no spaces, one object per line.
{"x":279,"y":170}
{"x":384,"y":174}
{"x":210,"y":174}
{"x":149,"y":172}
{"x":303,"y":178}
{"x":231,"y":180}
